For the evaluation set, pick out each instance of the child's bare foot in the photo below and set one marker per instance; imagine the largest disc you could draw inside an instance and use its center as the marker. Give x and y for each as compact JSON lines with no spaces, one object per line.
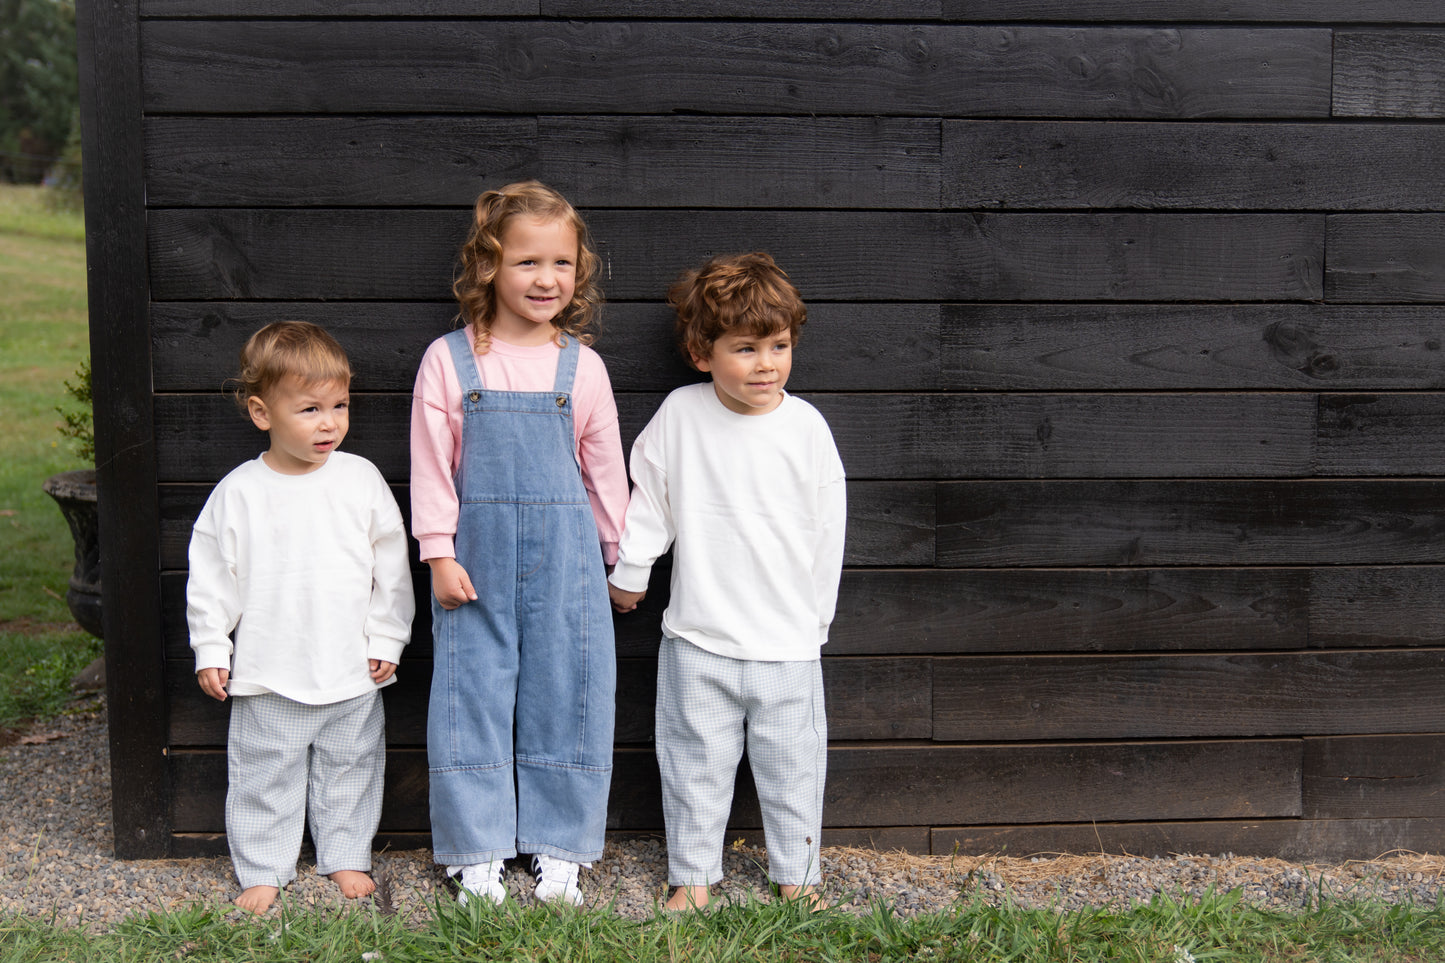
{"x":808,"y":895}
{"x":257,"y":899}
{"x":688,"y":898}
{"x":354,"y":883}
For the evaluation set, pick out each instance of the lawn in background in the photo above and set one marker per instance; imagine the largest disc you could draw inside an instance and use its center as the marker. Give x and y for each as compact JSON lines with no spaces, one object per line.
{"x":43,"y":337}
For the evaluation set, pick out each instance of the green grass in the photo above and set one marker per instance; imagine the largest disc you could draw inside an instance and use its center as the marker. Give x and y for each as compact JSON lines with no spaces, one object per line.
{"x":1215,"y":927}
{"x":43,"y":337}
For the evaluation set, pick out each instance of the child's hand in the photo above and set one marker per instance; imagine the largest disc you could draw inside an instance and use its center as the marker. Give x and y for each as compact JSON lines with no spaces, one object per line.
{"x":622,"y":600}
{"x":450,"y":583}
{"x":213,"y":682}
{"x":381,"y":671}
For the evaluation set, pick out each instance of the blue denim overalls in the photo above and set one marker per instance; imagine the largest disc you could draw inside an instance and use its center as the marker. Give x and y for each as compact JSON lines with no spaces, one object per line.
{"x":536,"y":646}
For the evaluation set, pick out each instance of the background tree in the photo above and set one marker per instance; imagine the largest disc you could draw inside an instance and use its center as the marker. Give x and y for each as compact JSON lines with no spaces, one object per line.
{"x":38,"y":84}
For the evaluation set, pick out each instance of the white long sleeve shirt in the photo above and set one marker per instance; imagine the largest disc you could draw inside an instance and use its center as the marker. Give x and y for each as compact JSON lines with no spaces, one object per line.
{"x":756,"y":506}
{"x":311,"y":573}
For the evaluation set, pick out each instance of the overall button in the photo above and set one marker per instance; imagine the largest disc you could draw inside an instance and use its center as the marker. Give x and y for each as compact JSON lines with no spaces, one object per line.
{"x":561,"y":401}
{"x":474,"y":396}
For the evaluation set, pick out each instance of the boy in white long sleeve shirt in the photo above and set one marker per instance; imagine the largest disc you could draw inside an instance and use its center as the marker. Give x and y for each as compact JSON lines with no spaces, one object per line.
{"x":300,"y":552}
{"x":744,"y":482}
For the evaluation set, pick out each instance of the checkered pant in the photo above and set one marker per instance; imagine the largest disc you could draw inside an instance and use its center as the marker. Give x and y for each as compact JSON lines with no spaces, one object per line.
{"x":707,"y":706}
{"x":285,"y":758}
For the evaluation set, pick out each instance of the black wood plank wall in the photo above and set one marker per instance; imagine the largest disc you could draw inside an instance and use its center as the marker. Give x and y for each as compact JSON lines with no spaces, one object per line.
{"x":1127,"y":316}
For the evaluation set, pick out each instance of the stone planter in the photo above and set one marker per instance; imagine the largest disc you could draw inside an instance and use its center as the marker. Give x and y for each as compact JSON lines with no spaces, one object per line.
{"x":74,"y":491}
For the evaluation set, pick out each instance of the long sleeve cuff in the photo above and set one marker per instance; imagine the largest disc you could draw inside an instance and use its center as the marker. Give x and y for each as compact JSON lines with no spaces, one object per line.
{"x":437,"y":546}
{"x":387,"y":650}
{"x":213,"y":655}
{"x":630,"y":578}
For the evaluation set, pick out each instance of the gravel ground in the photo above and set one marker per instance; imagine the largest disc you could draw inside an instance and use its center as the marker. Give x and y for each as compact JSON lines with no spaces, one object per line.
{"x":55,"y":845}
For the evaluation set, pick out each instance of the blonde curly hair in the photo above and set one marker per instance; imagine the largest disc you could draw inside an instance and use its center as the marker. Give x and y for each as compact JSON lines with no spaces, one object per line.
{"x":481,"y":256}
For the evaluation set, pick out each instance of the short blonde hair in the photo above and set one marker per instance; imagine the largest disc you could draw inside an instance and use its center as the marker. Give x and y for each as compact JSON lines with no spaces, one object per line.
{"x":734,"y":293}
{"x":285,"y":349}
{"x":481,"y":259}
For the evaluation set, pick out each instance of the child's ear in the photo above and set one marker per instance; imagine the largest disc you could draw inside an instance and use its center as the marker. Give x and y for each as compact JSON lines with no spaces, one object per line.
{"x":256,"y":408}
{"x":701,"y":363}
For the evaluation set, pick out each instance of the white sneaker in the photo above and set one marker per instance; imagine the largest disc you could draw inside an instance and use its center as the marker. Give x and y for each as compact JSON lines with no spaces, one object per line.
{"x":484,"y":880}
{"x":556,"y":880}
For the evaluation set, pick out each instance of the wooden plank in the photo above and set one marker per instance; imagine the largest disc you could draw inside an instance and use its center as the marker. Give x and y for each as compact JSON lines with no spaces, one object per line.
{"x":1148,"y":523}
{"x":1374,"y":777}
{"x":615,"y":161}
{"x":1389,"y":434}
{"x":1188,"y":696}
{"x":1027,"y":784}
{"x":1300,"y":840}
{"x":1385,"y":257}
{"x":641,"y":67}
{"x":902,"y":786}
{"x":1197,"y":11}
{"x":1064,"y":347}
{"x":110,"y":112}
{"x":1389,"y":73}
{"x":1071,"y":435}
{"x":1235,"y":167}
{"x":1357,"y":606}
{"x":931,"y":436}
{"x":864,"y":347}
{"x":330,"y":254}
{"x":289,"y":161}
{"x":1071,"y":610}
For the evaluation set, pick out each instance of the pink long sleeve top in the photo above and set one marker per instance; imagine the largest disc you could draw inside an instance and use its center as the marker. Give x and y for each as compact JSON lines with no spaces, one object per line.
{"x":436,"y":435}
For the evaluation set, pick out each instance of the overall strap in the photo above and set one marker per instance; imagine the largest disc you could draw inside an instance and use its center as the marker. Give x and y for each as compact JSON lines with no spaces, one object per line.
{"x":466,"y":363}
{"x":567,"y":365}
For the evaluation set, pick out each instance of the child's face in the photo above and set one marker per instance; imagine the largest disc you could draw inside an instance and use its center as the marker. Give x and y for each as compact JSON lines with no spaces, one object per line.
{"x":306,"y":422}
{"x":749,"y":372}
{"x":535,"y":280}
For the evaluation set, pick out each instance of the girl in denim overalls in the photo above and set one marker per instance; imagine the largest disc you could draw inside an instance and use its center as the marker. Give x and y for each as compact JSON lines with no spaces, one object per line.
{"x":518,"y":493}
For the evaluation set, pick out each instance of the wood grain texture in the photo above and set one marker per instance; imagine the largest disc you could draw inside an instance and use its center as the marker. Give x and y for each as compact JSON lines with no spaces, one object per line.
{"x":1072,"y":610}
{"x":1148,"y":523}
{"x":860,"y":347}
{"x":613,"y":161}
{"x":1374,"y":777}
{"x":1302,"y":840}
{"x":1384,"y":434}
{"x":1062,"y":347}
{"x":1366,"y":606}
{"x":1071,"y":435}
{"x":116,"y":265}
{"x":1389,"y":73}
{"x":1386,"y":257}
{"x":1017,"y":165}
{"x":255,"y":66}
{"x":1033,"y":783}
{"x":1188,"y":696}
{"x":326,"y":254}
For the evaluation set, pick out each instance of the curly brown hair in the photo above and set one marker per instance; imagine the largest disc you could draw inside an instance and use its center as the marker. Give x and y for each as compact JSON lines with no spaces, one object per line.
{"x":734,"y":293}
{"x":482,"y":252}
{"x":285,"y":349}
